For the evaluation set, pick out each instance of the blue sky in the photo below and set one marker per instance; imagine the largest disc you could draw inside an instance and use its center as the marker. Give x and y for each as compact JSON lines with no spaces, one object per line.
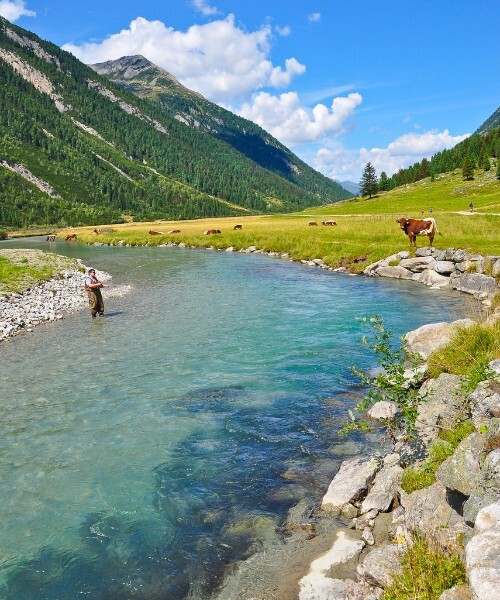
{"x":340,"y":83}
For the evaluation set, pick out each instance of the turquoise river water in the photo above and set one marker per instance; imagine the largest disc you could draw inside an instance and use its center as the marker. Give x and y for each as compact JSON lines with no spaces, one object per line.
{"x":140,"y":454}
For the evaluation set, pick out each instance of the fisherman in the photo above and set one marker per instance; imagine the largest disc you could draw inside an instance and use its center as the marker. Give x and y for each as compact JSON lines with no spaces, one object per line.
{"x":93,"y":288}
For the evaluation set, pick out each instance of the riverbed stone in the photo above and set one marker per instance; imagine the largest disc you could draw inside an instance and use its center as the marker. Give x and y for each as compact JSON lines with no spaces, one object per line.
{"x":444,"y":406}
{"x":383,"y":410}
{"x":381,"y":494}
{"x":380,"y":565}
{"x":418,"y":264}
{"x":461,"y":471}
{"x":487,"y":489}
{"x":482,"y":560}
{"x":351,"y":481}
{"x":427,"y":339}
{"x":485,"y":403}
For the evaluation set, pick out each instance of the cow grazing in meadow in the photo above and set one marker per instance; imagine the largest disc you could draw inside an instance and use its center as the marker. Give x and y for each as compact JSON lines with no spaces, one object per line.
{"x":71,"y":236}
{"x":51,"y":237}
{"x":153,"y":232}
{"x":238,"y":227}
{"x":312,"y":224}
{"x":328,"y":222}
{"x":174,"y":231}
{"x":99,"y":230}
{"x":212,"y":231}
{"x":414,"y":227}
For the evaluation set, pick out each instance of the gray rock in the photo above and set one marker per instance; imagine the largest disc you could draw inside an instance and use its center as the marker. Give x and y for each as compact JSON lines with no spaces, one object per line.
{"x":457,"y":592}
{"x":367,"y":536}
{"x":352,"y":480}
{"x":325,"y":588}
{"x":487,"y":490}
{"x":418,"y":264}
{"x":426,"y":251}
{"x":380,"y":565}
{"x":494,"y":368}
{"x":485,"y":403}
{"x":482,"y":560}
{"x":461,"y":471}
{"x":427,"y":339}
{"x":458,"y":256}
{"x":495,"y":268}
{"x":381,"y":495}
{"x":444,"y":267}
{"x":394,"y":272}
{"x":444,"y":406}
{"x":488,"y":517}
{"x":403,"y":254}
{"x":383,"y":410}
{"x":432,"y":279}
{"x":474,"y":283}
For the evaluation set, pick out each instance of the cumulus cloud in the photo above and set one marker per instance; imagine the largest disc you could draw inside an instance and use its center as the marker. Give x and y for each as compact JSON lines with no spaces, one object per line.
{"x":292,"y":124}
{"x":283,"y":31}
{"x":340,"y":163}
{"x":218,"y":59}
{"x":314,"y":17}
{"x":203,"y":7}
{"x":13,"y":9}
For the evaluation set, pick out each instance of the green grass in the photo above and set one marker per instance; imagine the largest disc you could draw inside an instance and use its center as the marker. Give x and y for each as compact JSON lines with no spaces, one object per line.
{"x":468,"y":353}
{"x":417,"y":478}
{"x":21,"y":269}
{"x":427,"y":571}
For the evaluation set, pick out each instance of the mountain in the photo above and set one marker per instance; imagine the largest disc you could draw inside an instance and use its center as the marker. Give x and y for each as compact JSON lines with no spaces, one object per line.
{"x":350,"y":186}
{"x":491,"y":122}
{"x":77,"y":149}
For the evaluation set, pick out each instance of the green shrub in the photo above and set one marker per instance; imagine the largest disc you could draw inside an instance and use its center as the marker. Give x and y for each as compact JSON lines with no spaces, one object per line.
{"x":3,"y":235}
{"x":427,"y":571}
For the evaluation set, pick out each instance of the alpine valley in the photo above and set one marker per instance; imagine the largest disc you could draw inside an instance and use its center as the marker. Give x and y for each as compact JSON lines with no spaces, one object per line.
{"x":124,"y":139}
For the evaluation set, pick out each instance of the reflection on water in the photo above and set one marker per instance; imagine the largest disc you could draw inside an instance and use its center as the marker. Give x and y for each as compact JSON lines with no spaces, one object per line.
{"x":142,"y":453}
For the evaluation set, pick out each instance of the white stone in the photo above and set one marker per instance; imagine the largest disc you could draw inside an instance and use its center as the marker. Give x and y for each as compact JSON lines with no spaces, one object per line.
{"x":432,"y":279}
{"x":383,"y":410}
{"x":482,"y":560}
{"x":350,"y":482}
{"x":427,"y":339}
{"x":445,"y":267}
{"x":381,"y":495}
{"x":418,"y":264}
{"x":487,"y":517}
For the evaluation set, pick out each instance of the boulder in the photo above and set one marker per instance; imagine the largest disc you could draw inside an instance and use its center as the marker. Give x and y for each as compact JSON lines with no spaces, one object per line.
{"x":403,"y":254}
{"x":394,"y":272}
{"x":427,"y":339}
{"x":485,"y":403}
{"x":383,"y":410}
{"x":426,"y":251}
{"x":474,"y":283}
{"x":444,"y":406}
{"x":487,"y":489}
{"x":461,"y":471}
{"x":488,"y":517}
{"x":320,"y":587}
{"x":457,"y":592}
{"x":380,"y":565}
{"x":381,"y":495}
{"x":458,"y":256}
{"x":418,"y":264}
{"x":432,"y":279}
{"x":352,"y":480}
{"x":495,"y":268}
{"x":445,"y":267}
{"x":370,"y":270}
{"x":482,"y":560}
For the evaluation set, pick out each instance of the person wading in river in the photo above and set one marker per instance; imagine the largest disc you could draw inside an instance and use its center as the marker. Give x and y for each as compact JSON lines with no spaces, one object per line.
{"x":93,"y":288}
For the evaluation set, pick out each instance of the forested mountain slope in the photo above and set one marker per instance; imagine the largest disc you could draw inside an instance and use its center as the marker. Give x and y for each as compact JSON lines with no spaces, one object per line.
{"x":77,"y":149}
{"x":492,"y":122}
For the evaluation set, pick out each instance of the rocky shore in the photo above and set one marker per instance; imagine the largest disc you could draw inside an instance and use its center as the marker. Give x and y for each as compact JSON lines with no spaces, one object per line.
{"x":351,"y":547}
{"x":48,"y":301}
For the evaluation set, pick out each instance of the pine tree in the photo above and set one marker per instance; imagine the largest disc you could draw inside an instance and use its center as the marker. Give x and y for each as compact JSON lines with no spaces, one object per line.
{"x":368,"y":185}
{"x":486,"y":163}
{"x":498,"y":168}
{"x":384,"y":182}
{"x":467,"y":169}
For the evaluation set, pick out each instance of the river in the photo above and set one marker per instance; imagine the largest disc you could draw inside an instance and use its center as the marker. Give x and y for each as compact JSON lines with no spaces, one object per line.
{"x":142,"y":453}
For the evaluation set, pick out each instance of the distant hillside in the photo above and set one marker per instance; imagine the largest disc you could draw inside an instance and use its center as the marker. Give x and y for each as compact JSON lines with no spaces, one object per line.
{"x":77,"y":149}
{"x":350,"y":186}
{"x":146,"y":80}
{"x":491,"y":122}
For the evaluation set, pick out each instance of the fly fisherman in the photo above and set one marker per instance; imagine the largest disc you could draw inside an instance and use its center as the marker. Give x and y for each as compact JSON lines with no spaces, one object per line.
{"x":93,"y":288}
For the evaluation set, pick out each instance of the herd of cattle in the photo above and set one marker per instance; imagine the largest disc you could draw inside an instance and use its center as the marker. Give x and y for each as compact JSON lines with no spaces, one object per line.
{"x":411,"y":227}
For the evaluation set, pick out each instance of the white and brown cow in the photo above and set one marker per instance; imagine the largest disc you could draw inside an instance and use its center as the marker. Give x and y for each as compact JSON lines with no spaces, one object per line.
{"x":328,"y":222}
{"x":414,"y":227}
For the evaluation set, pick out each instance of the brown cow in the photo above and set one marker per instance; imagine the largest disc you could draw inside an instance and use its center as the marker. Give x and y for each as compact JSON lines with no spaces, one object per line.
{"x":71,"y":236}
{"x":212,"y":231}
{"x":312,"y":224}
{"x":174,"y":231}
{"x":51,"y":237}
{"x":414,"y":227}
{"x":328,"y":222}
{"x":153,"y":232}
{"x":238,"y":227}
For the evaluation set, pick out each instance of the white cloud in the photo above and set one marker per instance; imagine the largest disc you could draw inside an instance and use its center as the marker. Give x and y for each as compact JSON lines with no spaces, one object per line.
{"x":292,"y":124}
{"x":314,"y":17}
{"x":203,"y":7}
{"x":340,"y":163}
{"x":217,"y":59}
{"x":13,"y":9}
{"x":283,"y":31}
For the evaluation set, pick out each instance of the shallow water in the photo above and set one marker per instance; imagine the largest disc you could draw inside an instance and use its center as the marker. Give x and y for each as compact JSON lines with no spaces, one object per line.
{"x":142,"y":452}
